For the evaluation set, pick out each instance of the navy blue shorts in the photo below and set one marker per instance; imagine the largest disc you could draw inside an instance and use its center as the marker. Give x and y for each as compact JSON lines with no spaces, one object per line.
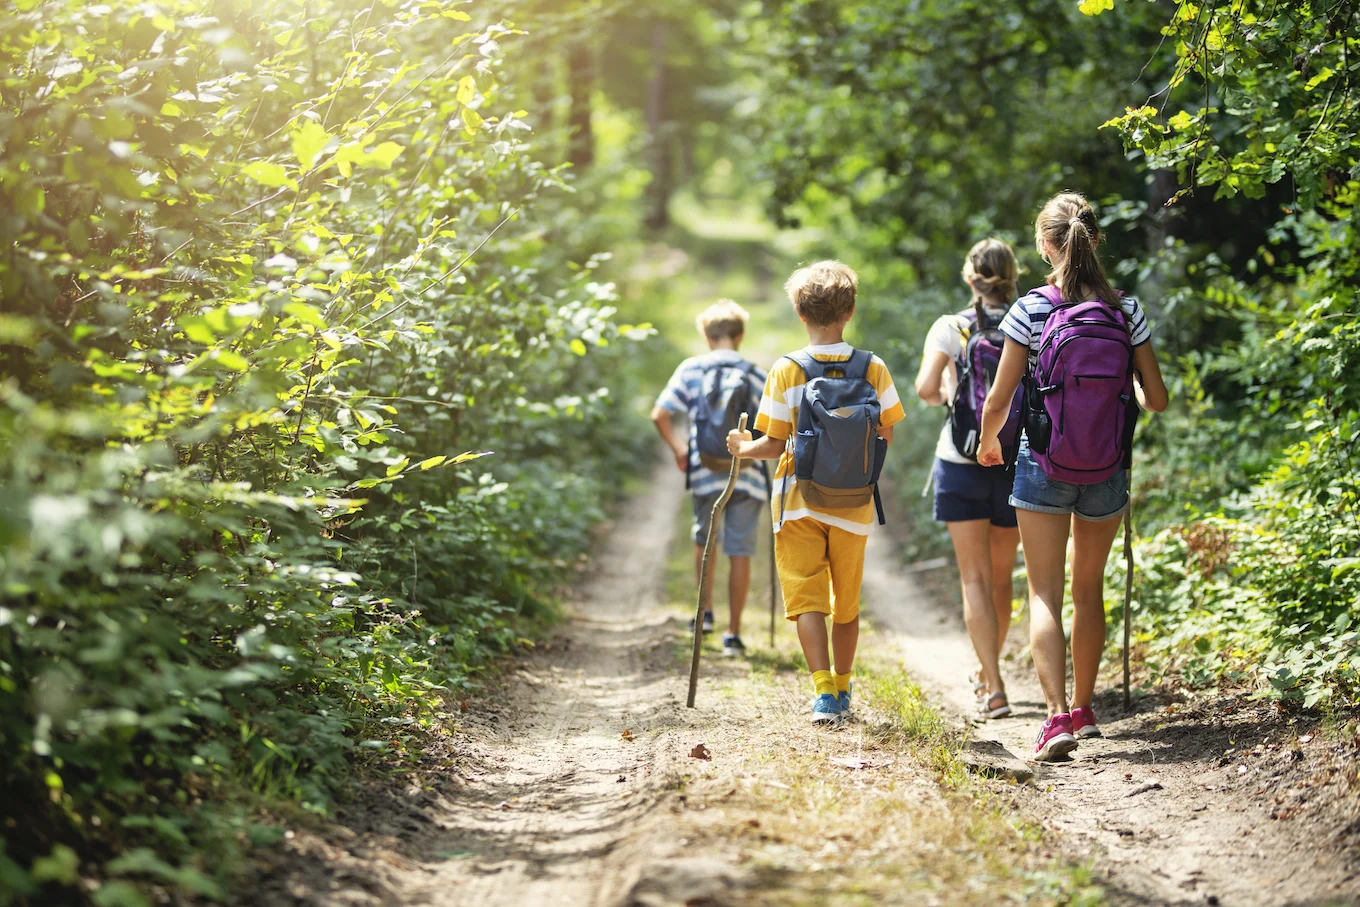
{"x":966,"y":491}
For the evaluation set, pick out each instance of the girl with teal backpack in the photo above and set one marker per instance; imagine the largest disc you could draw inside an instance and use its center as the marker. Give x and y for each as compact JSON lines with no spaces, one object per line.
{"x":1084,"y":354}
{"x":958,"y":367}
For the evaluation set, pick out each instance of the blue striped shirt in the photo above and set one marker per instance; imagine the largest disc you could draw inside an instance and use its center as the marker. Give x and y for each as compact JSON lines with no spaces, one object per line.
{"x":1024,"y":322}
{"x":682,"y":395}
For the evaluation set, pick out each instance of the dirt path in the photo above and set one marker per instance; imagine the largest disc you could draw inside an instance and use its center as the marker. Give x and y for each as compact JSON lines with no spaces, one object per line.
{"x":1218,"y":802}
{"x":550,"y":783}
{"x":572,"y":782}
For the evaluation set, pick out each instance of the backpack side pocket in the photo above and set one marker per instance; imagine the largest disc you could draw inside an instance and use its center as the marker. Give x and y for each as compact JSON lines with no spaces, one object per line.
{"x":804,"y":453}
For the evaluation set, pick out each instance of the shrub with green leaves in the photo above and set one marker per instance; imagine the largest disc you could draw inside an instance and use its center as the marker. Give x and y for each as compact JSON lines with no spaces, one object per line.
{"x":304,"y":413}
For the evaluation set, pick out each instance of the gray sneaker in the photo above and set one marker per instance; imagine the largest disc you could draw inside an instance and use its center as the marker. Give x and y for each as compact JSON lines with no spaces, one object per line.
{"x":708,"y":622}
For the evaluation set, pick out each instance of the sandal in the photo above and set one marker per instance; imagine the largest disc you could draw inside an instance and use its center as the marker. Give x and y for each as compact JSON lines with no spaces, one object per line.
{"x":995,"y":706}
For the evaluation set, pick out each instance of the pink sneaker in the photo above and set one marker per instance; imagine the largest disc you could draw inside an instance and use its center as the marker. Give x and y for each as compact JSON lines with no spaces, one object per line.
{"x":1055,"y":738}
{"x":1084,"y":722}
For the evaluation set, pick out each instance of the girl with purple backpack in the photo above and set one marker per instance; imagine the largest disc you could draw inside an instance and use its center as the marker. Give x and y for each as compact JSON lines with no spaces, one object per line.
{"x":962,"y":352}
{"x":1083,"y":352}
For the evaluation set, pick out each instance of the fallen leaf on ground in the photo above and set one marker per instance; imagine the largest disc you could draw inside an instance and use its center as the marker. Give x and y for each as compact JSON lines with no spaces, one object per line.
{"x":627,"y":735}
{"x":701,"y":752}
{"x":857,"y":764}
{"x":1144,"y":788}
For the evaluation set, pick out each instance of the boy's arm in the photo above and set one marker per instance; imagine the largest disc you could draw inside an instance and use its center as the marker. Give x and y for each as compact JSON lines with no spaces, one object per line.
{"x":741,"y":445}
{"x":892,"y":411}
{"x":661,"y":418}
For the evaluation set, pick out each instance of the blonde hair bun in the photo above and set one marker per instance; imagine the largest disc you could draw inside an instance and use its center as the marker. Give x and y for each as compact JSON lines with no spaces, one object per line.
{"x":992,"y":271}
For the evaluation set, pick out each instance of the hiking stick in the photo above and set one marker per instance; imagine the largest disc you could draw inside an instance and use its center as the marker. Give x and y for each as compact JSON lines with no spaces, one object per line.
{"x":705,"y":593}
{"x":774,"y":582}
{"x":1128,"y":586}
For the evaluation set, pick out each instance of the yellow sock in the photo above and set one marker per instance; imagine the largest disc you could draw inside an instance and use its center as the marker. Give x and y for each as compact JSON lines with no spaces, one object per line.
{"x":842,"y":683}
{"x":824,"y":683}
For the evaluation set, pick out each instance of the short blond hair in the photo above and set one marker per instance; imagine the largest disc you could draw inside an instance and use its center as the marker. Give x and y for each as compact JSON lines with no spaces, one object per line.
{"x":723,"y":320}
{"x":823,"y":292}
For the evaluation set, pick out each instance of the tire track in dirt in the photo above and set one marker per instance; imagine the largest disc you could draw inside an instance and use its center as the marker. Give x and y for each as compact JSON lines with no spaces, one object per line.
{"x":1213,"y":831}
{"x":551,"y":792}
{"x":548,"y":817}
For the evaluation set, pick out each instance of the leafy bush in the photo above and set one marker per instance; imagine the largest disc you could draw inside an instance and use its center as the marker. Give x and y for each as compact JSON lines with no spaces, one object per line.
{"x":270,"y":294}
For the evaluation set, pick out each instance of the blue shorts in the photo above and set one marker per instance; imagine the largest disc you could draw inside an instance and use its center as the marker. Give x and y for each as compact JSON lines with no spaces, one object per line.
{"x":966,"y":491}
{"x":741,"y":520}
{"x":1036,"y":492}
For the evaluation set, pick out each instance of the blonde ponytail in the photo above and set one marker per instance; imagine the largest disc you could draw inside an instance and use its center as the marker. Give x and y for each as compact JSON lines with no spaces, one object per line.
{"x":1067,"y":225}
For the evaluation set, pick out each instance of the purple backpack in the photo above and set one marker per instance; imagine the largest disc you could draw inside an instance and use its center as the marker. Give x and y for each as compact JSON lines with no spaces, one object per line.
{"x":1080,"y":407}
{"x":976,"y":368}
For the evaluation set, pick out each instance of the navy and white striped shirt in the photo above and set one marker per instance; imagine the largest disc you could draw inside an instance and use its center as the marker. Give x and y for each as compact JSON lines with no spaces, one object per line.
{"x":1024,"y":323}
{"x":682,"y":395}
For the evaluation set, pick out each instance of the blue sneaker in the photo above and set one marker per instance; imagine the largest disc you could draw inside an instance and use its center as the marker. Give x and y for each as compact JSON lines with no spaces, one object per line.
{"x":826,"y":708}
{"x":844,"y":699}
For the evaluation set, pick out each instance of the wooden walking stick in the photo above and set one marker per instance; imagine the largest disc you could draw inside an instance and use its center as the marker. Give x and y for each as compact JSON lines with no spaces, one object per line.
{"x":774,"y":582}
{"x":704,"y":592}
{"x":1128,"y":585}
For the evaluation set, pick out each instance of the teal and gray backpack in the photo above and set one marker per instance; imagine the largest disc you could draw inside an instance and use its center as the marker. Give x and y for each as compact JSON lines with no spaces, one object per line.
{"x":837,"y":453}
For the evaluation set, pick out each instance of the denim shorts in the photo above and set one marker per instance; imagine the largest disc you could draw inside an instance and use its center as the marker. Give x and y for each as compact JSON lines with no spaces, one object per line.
{"x":966,"y":491}
{"x":1035,"y":491}
{"x":741,"y":521}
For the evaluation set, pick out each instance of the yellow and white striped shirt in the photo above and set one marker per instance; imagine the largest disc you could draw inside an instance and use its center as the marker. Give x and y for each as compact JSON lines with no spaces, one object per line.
{"x":779,"y":415}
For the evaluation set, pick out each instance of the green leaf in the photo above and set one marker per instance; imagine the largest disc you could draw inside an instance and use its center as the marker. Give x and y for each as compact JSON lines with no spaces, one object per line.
{"x":267,"y":174}
{"x":1095,"y":7}
{"x":472,"y":120}
{"x":118,"y":894}
{"x":308,"y":142}
{"x":578,"y":347}
{"x":397,"y":467}
{"x":60,"y":866}
{"x":467,"y":90}
{"x":230,"y":359}
{"x":432,"y":462}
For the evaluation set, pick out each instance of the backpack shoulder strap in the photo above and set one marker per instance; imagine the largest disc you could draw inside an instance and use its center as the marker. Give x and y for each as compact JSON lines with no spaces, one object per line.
{"x":1049,"y":292}
{"x":811,"y":367}
{"x":857,"y":366}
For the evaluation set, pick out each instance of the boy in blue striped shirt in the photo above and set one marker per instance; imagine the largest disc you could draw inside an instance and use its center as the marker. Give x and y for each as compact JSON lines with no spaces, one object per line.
{"x":723,"y":325}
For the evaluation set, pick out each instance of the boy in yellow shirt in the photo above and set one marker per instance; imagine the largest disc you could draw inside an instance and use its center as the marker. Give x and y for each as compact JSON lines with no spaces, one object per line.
{"x":819,"y":546}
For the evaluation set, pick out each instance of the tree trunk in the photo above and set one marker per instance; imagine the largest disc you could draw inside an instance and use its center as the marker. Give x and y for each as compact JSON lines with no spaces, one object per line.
{"x":659,"y":192}
{"x":580,"y":82}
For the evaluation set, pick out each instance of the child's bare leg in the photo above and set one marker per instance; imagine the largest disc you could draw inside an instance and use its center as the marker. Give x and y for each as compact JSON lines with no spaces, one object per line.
{"x":1003,"y":543}
{"x":1044,"y":536}
{"x":812,"y":637}
{"x":844,"y":641}
{"x":1090,"y":550}
{"x":738,"y":585}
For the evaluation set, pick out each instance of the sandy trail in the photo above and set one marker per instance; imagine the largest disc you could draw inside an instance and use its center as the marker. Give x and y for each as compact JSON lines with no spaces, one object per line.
{"x":1238,"y":818}
{"x":544,"y":821}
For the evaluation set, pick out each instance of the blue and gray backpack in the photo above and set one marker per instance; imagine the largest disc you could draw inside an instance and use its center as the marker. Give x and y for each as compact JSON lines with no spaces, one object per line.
{"x":837,"y":453}
{"x":725,"y":393}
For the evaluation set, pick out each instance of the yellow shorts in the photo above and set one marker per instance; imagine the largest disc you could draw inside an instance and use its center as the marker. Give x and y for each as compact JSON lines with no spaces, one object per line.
{"x":820,"y":569}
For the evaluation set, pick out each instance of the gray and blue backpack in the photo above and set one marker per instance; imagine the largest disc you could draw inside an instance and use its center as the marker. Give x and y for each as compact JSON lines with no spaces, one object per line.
{"x":725,"y":393}
{"x":837,"y":453}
